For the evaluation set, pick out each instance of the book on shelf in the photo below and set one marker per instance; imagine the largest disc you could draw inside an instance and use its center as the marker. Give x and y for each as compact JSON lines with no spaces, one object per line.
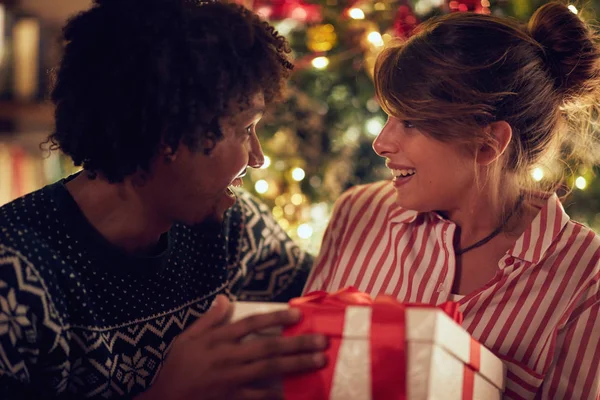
{"x":22,"y":52}
{"x":23,"y":172}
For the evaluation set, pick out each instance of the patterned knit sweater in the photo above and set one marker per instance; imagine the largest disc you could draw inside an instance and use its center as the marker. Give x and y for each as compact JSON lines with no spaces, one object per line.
{"x":81,"y":319}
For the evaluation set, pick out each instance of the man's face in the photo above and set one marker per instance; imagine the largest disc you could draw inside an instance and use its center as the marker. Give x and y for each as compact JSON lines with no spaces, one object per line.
{"x":195,"y":186}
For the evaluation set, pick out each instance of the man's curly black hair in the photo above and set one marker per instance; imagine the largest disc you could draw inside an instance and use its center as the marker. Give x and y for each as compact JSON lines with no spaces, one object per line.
{"x":137,"y":74}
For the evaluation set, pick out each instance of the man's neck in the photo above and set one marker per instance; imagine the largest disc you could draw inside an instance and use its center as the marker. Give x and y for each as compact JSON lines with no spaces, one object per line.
{"x":118,"y":212}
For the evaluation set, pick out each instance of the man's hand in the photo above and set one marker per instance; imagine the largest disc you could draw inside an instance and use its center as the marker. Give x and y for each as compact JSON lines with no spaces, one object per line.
{"x":209,"y":360}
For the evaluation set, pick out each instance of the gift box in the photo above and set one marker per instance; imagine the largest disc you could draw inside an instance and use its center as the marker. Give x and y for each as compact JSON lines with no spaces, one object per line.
{"x":385,"y":350}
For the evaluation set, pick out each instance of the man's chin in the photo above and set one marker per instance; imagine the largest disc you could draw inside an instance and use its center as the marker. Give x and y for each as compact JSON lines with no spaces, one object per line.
{"x":215,"y":215}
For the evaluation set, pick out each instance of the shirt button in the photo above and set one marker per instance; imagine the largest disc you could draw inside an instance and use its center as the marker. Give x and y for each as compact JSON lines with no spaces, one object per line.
{"x":509,"y":261}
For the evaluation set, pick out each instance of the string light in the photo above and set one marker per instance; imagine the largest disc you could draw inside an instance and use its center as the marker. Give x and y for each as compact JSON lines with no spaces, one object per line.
{"x":373,"y":105}
{"x":289,"y":209}
{"x":573,"y":9}
{"x":375,"y":38}
{"x":304,"y":231}
{"x":319,"y":212}
{"x":356,"y":13}
{"x":279,"y":165}
{"x":320,"y":62}
{"x":315,"y":181}
{"x":298,"y":174}
{"x":281,"y":200}
{"x":537,"y":174}
{"x":277,"y":212}
{"x":286,"y":26}
{"x":374,"y":126}
{"x":299,"y":13}
{"x":265,"y":11}
{"x":351,"y":135}
{"x":284,"y":223}
{"x":581,"y":183}
{"x":261,"y":186}
{"x":297,"y":199}
{"x":266,"y":163}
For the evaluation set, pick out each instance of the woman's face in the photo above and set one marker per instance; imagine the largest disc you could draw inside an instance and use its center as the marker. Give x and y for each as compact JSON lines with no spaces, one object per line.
{"x":429,"y":175}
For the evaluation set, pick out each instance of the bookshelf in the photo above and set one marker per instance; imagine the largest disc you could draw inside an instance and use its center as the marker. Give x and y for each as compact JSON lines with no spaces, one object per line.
{"x":36,"y":113}
{"x":29,"y":48}
{"x":24,"y":166}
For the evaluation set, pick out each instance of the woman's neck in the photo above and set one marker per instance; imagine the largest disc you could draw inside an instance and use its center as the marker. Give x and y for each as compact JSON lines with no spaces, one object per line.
{"x":481,"y":213}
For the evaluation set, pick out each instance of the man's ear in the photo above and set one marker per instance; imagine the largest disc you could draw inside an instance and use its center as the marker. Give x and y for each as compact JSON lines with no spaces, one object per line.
{"x":167,"y":152}
{"x":501,"y":134}
{"x":208,"y":142}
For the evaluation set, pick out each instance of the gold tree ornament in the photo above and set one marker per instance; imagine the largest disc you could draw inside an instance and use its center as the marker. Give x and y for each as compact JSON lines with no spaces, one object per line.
{"x":321,"y":38}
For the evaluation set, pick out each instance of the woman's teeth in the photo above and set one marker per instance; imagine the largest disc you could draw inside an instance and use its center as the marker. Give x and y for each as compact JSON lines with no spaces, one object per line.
{"x":403,"y":173}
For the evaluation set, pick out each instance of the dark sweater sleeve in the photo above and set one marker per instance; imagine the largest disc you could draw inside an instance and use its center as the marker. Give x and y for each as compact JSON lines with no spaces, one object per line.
{"x":30,"y":331}
{"x":268,"y":265}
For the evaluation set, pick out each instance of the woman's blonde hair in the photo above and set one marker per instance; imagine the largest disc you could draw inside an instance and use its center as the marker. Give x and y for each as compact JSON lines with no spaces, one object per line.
{"x":463,"y":71}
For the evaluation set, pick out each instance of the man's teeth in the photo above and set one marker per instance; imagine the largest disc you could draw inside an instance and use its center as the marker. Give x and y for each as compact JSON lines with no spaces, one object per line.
{"x":403,"y":173}
{"x":237,"y":182}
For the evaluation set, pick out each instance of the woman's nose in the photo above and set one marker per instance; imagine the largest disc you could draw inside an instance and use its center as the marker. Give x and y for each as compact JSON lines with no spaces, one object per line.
{"x":384,"y":143}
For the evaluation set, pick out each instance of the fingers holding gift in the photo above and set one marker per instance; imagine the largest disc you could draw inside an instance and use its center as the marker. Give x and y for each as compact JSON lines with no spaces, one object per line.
{"x":255,"y":323}
{"x":277,"y":367}
{"x":276,"y":346}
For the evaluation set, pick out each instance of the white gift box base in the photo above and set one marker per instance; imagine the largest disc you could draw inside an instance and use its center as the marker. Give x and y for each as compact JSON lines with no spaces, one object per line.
{"x":437,"y":351}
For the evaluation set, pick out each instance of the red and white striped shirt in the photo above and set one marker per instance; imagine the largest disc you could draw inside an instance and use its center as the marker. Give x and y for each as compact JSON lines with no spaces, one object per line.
{"x":540,"y":313}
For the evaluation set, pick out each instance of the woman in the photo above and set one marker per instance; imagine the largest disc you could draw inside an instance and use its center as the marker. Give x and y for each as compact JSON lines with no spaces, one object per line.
{"x":475,"y":102}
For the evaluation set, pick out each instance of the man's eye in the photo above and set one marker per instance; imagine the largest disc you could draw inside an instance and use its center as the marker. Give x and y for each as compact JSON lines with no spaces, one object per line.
{"x":249,"y":130}
{"x":408,"y":124}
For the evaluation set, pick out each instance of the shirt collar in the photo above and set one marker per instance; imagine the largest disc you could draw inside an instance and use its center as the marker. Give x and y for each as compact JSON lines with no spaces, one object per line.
{"x":533,"y":244}
{"x":399,"y":215}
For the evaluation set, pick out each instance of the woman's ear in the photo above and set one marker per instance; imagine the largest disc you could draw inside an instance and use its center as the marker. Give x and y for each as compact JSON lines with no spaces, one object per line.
{"x":501,"y":134}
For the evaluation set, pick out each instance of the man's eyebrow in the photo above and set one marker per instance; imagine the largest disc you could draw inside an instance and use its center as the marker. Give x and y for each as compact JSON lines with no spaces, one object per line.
{"x":255,"y":111}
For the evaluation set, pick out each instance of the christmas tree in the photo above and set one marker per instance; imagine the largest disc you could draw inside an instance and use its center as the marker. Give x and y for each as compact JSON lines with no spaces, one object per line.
{"x":318,"y":140}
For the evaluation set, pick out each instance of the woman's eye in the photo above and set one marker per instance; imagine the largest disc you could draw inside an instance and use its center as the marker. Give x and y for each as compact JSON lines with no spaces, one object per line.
{"x":408,"y":124}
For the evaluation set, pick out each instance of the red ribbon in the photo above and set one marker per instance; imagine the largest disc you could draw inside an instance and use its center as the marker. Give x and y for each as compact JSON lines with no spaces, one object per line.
{"x":470,"y":370}
{"x":324,"y":313}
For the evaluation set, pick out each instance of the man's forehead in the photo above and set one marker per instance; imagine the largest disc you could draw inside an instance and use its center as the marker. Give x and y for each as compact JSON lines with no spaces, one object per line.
{"x":252,"y":104}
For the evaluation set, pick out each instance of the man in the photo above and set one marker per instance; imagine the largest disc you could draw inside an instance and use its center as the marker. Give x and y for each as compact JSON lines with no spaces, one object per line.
{"x":104,"y":275}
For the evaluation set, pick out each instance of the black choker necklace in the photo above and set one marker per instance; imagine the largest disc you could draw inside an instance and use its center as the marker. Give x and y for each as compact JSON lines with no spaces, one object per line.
{"x":494,"y":233}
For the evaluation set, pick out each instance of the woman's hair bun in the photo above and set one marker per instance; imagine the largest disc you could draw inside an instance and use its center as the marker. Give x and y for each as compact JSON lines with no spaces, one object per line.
{"x":569,"y":49}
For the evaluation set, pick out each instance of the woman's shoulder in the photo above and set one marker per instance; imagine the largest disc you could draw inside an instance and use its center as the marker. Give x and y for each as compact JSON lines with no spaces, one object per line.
{"x":583,"y":243}
{"x":572,"y":263}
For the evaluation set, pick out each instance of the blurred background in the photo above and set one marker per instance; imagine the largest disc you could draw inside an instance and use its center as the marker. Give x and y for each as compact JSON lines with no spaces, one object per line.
{"x":317,"y":142}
